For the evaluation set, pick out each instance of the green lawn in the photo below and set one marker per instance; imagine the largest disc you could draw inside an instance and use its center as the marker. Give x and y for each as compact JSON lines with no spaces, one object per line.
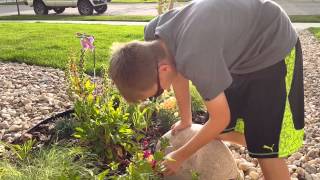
{"x":51,"y":44}
{"x":316,"y":32}
{"x":305,"y":18}
{"x":294,"y":18}
{"x":78,"y":18}
{"x":11,"y":3}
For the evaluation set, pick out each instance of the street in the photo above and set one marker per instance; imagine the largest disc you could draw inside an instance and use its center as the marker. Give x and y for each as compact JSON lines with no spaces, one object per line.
{"x":113,"y":9}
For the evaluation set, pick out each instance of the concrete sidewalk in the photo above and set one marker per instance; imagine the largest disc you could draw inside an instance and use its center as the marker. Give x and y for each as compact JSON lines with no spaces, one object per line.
{"x":298,"y":26}
{"x":300,"y":7}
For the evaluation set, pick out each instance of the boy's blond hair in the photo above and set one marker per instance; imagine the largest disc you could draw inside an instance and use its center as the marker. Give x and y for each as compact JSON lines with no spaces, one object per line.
{"x":133,"y":68}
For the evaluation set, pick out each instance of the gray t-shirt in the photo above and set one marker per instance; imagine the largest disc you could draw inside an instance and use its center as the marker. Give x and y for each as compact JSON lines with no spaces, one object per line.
{"x":212,"y":39}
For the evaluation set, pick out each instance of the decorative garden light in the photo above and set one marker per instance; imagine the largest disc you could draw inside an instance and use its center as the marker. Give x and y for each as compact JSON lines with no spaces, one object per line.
{"x":87,"y":42}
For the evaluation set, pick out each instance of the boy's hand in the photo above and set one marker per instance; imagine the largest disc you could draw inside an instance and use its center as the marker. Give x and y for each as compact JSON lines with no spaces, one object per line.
{"x":180,"y":125}
{"x":172,"y":163}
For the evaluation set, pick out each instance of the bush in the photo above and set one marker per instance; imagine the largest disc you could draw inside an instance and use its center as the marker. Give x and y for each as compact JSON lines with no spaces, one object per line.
{"x":103,"y":120}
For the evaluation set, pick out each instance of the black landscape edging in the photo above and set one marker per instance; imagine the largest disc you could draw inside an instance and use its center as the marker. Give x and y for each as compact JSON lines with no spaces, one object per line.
{"x":56,"y":116}
{"x":66,"y":113}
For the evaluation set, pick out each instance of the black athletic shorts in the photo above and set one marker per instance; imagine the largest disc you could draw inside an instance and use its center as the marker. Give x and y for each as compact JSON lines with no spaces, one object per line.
{"x":268,"y":107}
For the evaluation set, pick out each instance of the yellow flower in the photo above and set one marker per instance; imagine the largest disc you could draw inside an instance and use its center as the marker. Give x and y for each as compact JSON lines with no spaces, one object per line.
{"x":150,"y":158}
{"x":169,"y":103}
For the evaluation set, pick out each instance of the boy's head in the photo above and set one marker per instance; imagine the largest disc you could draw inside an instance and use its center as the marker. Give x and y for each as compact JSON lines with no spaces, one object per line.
{"x":141,"y":69}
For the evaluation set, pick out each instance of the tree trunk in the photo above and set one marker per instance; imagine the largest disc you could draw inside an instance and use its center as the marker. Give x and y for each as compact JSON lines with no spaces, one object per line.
{"x":171,"y":3}
{"x":160,"y":7}
{"x":18,"y":7}
{"x":165,"y":5}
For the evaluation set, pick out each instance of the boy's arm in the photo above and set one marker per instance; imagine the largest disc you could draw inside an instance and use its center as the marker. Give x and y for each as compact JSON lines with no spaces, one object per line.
{"x":217,"y":108}
{"x":182,"y":93}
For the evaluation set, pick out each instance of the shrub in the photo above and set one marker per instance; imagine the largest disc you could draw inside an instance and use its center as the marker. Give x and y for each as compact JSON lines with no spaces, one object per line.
{"x":104,"y":121}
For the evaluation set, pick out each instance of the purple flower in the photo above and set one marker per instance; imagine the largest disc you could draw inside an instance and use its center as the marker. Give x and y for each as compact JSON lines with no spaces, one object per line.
{"x":86,"y":41}
{"x":145,"y":144}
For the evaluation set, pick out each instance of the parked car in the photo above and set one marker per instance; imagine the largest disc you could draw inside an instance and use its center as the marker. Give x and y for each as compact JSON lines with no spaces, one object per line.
{"x":85,"y":7}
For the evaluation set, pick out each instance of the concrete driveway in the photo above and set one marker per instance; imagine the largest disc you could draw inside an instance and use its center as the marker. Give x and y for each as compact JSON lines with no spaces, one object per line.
{"x":292,"y":7}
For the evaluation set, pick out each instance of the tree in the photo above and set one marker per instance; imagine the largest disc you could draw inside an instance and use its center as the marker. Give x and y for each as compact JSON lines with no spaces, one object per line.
{"x":165,"y":5}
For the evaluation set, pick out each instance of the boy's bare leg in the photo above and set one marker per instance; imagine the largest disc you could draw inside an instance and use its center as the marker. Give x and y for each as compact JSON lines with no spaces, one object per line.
{"x":234,"y":137}
{"x":274,"y":168}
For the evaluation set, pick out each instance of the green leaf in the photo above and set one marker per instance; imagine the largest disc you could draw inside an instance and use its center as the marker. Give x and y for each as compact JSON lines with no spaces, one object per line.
{"x":164,"y":143}
{"x":139,"y":136}
{"x":90,"y":98}
{"x":77,"y":136}
{"x":195,"y":175}
{"x":125,"y":130}
{"x":103,"y":174}
{"x":79,"y":129}
{"x":158,"y":156}
{"x":114,"y":166}
{"x":170,"y":159}
{"x":144,"y":167}
{"x":89,"y":86}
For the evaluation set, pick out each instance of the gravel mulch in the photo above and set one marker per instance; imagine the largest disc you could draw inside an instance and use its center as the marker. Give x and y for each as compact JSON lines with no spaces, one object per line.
{"x":28,"y":95}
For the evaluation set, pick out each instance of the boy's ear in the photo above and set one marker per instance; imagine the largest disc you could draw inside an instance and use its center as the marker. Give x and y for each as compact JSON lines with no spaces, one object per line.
{"x":165,"y":68}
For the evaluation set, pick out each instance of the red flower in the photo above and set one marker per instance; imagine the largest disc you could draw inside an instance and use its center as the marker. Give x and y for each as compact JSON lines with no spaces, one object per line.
{"x":153,"y":163}
{"x":146,"y":153}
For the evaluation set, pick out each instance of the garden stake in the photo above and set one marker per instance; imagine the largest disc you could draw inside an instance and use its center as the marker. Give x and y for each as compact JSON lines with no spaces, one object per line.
{"x":94,"y":67}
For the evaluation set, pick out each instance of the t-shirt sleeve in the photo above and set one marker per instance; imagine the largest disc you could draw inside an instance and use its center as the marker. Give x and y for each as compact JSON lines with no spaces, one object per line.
{"x":149,"y":29}
{"x":199,"y":57}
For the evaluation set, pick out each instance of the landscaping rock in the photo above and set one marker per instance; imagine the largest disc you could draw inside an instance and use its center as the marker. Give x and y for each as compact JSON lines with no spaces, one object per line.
{"x":297,"y":155}
{"x":313,"y":153}
{"x":29,"y":94}
{"x":246,"y":166}
{"x":213,"y":161}
{"x":254,"y":175}
{"x":4,"y":125}
{"x":15,"y":128}
{"x":308,"y":176}
{"x":300,"y":171}
{"x":24,"y":137}
{"x":310,"y":169}
{"x":17,"y":135}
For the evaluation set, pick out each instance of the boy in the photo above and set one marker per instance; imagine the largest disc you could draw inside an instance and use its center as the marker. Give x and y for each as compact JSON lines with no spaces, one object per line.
{"x":233,"y":51}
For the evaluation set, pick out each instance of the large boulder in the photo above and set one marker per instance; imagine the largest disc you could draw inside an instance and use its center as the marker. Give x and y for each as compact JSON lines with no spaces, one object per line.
{"x":214,"y":161}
